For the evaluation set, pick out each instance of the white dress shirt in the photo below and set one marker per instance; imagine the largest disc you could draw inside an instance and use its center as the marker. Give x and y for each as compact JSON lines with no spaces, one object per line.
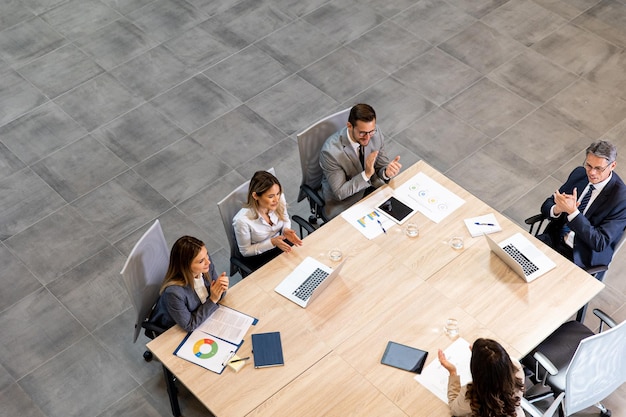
{"x":355,"y":146}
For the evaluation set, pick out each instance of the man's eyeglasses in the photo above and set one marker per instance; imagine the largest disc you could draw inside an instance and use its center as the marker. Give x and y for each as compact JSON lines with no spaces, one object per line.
{"x":599,"y":170}
{"x":365,"y":134}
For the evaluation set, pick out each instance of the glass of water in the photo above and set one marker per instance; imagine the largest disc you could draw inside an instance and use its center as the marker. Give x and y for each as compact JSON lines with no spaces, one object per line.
{"x":452,"y":328}
{"x":335,"y":254}
{"x":411,"y":230}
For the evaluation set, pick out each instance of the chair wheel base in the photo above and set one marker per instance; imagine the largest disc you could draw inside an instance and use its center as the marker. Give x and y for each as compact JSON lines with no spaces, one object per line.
{"x":606,"y":413}
{"x":312,"y":219}
{"x":147,"y":356}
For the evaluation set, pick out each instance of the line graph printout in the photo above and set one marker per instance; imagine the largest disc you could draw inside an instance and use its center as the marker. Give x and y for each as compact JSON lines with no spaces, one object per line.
{"x":432,"y":199}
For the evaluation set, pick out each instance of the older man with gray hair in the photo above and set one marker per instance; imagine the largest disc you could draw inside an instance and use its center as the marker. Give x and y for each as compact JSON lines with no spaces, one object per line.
{"x":588,"y":212}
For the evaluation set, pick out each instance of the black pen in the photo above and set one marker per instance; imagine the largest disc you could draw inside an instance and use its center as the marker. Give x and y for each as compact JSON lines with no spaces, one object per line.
{"x":484,"y":224}
{"x":240,"y":359}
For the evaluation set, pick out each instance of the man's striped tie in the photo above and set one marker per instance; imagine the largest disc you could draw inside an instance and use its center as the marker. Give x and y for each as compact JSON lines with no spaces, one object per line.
{"x":585,"y":199}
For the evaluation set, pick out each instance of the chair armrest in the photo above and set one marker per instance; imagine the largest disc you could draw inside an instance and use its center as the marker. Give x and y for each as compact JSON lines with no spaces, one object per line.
{"x":241,"y":265}
{"x":303,"y":224}
{"x":313,"y":195}
{"x":152,"y":330}
{"x":533,"y":220}
{"x":604,"y":318}
{"x":546,"y":364}
{"x":592,"y":270}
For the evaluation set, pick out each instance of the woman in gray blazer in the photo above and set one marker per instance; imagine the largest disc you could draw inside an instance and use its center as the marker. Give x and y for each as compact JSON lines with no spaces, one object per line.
{"x":191,"y":288}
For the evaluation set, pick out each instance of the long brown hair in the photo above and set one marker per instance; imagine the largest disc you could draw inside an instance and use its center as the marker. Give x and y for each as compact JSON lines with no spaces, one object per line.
{"x":259,"y":184}
{"x":183,"y":253}
{"x":494,"y":390}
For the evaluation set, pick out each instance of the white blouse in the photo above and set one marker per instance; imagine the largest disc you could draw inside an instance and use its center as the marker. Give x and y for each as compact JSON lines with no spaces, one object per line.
{"x":254,"y":236}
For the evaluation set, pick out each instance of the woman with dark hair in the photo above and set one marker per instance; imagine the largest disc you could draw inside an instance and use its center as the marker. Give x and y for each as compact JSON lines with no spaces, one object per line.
{"x":191,"y":287}
{"x":262,"y":227}
{"x":497,"y":383}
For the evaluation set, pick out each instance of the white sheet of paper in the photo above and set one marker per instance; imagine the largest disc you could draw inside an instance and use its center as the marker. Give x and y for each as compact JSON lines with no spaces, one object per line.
{"x":435,"y":377}
{"x":487,"y":224}
{"x":207,"y":351}
{"x":228,"y":324}
{"x":216,"y":339}
{"x":364,"y":216}
{"x":432,"y":199}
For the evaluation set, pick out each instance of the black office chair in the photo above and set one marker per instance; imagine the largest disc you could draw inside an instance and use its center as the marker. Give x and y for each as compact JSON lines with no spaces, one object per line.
{"x":538,"y":224}
{"x":587,"y":367}
{"x":310,"y":143}
{"x":303,"y":224}
{"x":143,"y":275}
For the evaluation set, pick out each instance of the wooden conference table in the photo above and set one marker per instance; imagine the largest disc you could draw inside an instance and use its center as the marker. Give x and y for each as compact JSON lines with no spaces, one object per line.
{"x":391,"y":288}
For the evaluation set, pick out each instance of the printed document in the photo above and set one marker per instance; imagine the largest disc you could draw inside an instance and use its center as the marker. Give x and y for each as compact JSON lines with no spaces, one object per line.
{"x":435,"y":377}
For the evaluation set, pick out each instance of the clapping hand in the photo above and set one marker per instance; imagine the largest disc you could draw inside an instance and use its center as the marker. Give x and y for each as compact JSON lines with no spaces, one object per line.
{"x":219,"y":287}
{"x":279,"y":242}
{"x":565,"y":203}
{"x":291,"y":236}
{"x":393,"y":168}
{"x":446,"y":363}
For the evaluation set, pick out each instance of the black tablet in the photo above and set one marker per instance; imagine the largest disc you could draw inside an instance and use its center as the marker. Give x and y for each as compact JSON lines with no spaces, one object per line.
{"x":396,"y":210}
{"x":404,"y":357}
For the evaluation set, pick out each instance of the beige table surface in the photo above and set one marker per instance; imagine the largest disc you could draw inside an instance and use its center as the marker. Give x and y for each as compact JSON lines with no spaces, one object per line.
{"x":391,"y":288}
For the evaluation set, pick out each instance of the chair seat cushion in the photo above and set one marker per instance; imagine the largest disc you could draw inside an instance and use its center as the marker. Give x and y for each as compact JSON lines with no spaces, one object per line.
{"x":559,"y":348}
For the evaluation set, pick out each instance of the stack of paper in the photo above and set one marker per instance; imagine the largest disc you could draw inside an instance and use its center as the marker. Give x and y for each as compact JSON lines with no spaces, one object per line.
{"x":214,"y":343}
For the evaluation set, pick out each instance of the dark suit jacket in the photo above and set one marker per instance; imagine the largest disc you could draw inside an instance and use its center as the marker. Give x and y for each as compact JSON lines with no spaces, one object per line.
{"x":599,"y":230}
{"x":182,"y":306}
{"x":342,"y":183}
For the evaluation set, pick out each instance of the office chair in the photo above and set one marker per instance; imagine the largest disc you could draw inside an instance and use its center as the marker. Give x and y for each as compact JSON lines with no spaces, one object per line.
{"x":143,"y":275}
{"x":535,"y":412}
{"x":586,"y":367}
{"x":228,"y":207}
{"x":310,"y":143}
{"x":304,"y":225}
{"x":536,"y":226}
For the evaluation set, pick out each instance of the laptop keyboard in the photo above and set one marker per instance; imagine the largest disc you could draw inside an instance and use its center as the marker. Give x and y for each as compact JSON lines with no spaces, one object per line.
{"x":526,"y":264}
{"x":305,"y":289}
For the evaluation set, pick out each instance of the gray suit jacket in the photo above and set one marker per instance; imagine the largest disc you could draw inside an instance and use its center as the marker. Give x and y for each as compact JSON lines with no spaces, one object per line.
{"x":342,"y":183}
{"x":182,"y":306}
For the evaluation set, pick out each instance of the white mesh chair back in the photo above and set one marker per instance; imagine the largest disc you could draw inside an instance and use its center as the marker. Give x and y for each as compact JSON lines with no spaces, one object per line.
{"x":597,"y":369}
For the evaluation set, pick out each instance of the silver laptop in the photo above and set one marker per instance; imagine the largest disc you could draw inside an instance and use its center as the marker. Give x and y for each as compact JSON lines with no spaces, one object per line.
{"x":522,"y":256}
{"x":307,"y":281}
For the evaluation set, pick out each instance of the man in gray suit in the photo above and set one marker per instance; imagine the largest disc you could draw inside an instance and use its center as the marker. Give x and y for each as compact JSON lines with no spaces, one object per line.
{"x":354,"y":161}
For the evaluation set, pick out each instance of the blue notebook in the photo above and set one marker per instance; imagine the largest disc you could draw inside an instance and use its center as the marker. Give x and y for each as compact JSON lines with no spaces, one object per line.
{"x":267,"y":350}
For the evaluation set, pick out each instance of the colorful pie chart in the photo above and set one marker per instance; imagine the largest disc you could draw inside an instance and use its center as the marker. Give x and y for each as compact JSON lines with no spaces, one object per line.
{"x":202,"y":352}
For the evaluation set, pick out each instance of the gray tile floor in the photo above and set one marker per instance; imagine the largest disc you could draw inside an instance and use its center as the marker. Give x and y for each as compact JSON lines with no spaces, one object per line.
{"x":117,"y":112}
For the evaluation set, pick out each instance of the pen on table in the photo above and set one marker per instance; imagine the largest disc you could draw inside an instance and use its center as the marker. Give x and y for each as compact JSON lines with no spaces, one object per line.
{"x":381,"y":226}
{"x":484,"y":224}
{"x":240,"y":359}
